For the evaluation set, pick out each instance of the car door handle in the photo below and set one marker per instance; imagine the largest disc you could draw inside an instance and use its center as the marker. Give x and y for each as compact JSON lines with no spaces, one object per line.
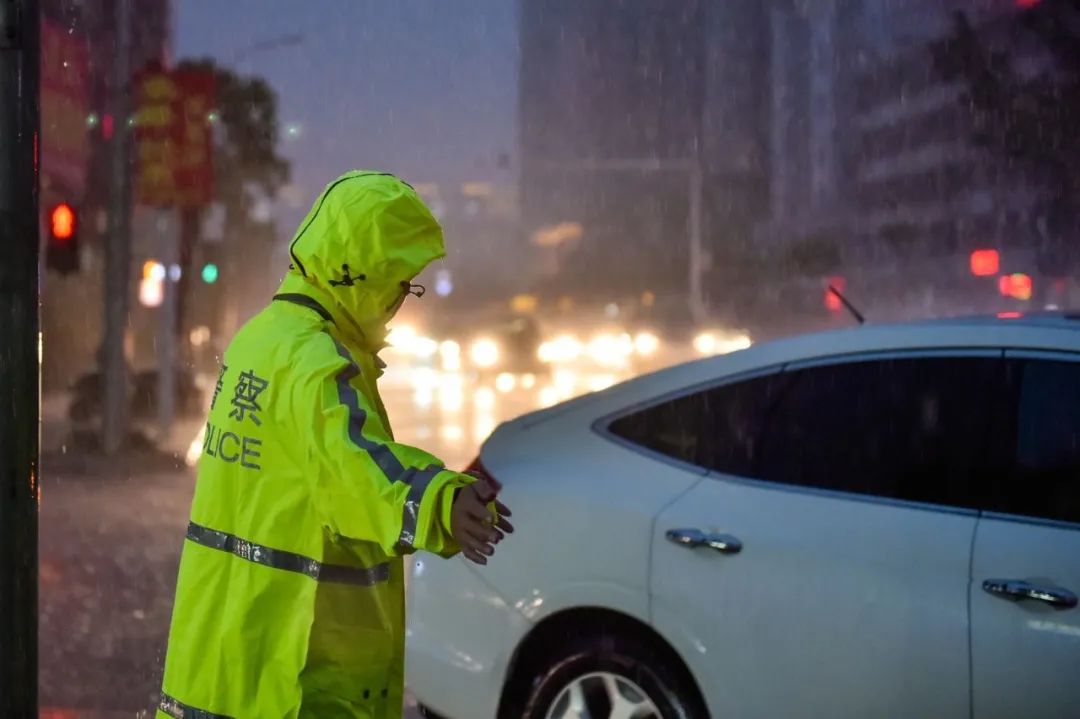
{"x":1018,"y":590}
{"x":694,"y":538}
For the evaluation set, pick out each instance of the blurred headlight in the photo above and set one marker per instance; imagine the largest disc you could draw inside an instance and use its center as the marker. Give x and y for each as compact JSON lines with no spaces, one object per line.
{"x":646,"y":343}
{"x":484,"y":398}
{"x":564,"y":348}
{"x":734,"y":343}
{"x":705,"y":343}
{"x":601,"y":382}
{"x":709,"y":343}
{"x":400,"y":337}
{"x":450,"y":354}
{"x":565,"y":382}
{"x":606,"y":349}
{"x":484,"y":353}
{"x":548,"y":396}
{"x":424,"y":347}
{"x":505,"y":382}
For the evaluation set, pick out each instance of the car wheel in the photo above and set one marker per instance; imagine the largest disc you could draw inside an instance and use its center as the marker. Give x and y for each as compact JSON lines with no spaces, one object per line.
{"x":612,"y":677}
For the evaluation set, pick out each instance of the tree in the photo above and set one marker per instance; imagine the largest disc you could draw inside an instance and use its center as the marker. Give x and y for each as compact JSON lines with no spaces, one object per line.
{"x":1029,"y":117}
{"x":246,"y":163}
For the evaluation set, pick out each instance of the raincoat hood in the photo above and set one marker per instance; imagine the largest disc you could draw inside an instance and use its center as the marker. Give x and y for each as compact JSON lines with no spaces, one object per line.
{"x":366,"y":234}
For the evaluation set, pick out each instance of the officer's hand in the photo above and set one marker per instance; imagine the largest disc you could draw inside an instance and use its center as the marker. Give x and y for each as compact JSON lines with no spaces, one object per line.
{"x":473,"y":527}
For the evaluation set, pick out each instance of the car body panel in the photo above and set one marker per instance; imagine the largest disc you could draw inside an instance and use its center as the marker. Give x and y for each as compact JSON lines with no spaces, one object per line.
{"x":457,"y":667}
{"x":583,"y":514}
{"x":822,"y":612}
{"x":1024,"y":653}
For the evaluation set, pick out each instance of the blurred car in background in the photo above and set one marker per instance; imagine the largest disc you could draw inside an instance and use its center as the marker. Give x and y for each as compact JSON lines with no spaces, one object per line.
{"x":882,"y":521}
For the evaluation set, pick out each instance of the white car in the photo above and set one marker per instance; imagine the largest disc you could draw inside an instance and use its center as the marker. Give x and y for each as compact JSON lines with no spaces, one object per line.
{"x":883,"y":521}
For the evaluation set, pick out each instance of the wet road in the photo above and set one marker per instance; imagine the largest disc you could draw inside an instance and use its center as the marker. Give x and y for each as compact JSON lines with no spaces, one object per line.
{"x":111,"y":534}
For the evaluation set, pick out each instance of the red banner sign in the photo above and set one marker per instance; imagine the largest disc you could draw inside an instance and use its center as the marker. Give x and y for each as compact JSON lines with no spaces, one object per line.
{"x":174,"y":138}
{"x":65,"y":67}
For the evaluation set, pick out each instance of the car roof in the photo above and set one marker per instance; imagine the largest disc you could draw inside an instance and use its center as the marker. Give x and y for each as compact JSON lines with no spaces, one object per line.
{"x":1047,"y":332}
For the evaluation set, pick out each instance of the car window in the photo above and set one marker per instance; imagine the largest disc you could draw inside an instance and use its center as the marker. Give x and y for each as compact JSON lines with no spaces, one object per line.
{"x":716,"y":428}
{"x":1045,"y":480}
{"x":910,"y":429}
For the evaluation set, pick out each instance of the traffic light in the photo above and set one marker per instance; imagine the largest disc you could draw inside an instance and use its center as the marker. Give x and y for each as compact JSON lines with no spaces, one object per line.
{"x":1017,"y":285}
{"x":210,"y":273}
{"x":985,"y":263}
{"x":152,"y":285}
{"x":62,"y":249}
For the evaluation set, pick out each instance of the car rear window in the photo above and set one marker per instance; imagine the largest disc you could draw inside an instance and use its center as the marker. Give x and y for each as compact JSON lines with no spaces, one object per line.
{"x":717,"y":428}
{"x":911,"y":429}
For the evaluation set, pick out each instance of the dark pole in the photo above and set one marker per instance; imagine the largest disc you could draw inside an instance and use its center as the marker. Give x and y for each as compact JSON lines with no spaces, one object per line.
{"x":189,"y":237}
{"x":19,"y":349}
{"x":118,"y":249}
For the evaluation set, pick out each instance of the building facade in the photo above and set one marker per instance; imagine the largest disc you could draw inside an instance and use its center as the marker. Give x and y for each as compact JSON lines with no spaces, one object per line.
{"x":609,"y":112}
{"x":830,"y":145}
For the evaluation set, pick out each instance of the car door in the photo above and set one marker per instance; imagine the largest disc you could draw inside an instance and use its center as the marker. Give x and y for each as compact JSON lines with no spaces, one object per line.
{"x":1025,"y":622}
{"x":821,"y":570}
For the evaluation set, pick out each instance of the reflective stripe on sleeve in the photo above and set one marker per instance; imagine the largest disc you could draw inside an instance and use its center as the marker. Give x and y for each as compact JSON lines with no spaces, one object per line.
{"x":417,"y":479}
{"x":179,"y":710}
{"x":287,"y":561}
{"x":389,"y":464}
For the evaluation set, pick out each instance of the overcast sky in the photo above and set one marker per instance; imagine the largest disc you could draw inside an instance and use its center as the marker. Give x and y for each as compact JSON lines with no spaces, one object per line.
{"x":423,"y":88}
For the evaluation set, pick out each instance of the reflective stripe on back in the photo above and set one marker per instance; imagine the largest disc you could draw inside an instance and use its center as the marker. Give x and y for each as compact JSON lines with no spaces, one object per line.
{"x":179,"y":710}
{"x":287,"y":561}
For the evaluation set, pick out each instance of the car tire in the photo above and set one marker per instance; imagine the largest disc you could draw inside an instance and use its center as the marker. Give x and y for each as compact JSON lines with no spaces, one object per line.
{"x":599,"y":670}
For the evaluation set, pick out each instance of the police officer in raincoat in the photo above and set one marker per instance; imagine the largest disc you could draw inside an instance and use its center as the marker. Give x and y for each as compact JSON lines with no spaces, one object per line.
{"x":290,"y":596}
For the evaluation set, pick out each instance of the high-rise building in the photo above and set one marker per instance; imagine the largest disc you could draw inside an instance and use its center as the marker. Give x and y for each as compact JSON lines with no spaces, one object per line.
{"x":618,"y":102}
{"x":920,"y":180}
{"x":611,"y":112}
{"x":872,"y":152}
{"x":823,"y":129}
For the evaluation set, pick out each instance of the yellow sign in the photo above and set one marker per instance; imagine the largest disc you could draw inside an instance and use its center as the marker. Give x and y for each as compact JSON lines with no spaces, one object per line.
{"x":555,"y":235}
{"x":523,"y":304}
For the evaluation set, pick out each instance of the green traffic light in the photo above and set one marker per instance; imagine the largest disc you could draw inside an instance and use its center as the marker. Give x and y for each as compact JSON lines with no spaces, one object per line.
{"x":210,"y":273}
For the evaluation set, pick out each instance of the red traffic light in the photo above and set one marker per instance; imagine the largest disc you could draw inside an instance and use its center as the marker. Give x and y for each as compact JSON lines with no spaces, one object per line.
{"x":62,"y":248}
{"x":985,"y":263}
{"x":62,"y":222}
{"x":1018,"y":286}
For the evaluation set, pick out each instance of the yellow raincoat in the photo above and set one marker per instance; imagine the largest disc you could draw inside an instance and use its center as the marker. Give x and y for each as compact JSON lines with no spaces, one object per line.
{"x":290,"y":596}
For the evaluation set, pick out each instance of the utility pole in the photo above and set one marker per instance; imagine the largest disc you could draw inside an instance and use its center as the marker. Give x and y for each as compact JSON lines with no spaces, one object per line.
{"x":118,"y":250}
{"x":20,"y":355}
{"x":697,"y":170}
{"x":167,"y":231}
